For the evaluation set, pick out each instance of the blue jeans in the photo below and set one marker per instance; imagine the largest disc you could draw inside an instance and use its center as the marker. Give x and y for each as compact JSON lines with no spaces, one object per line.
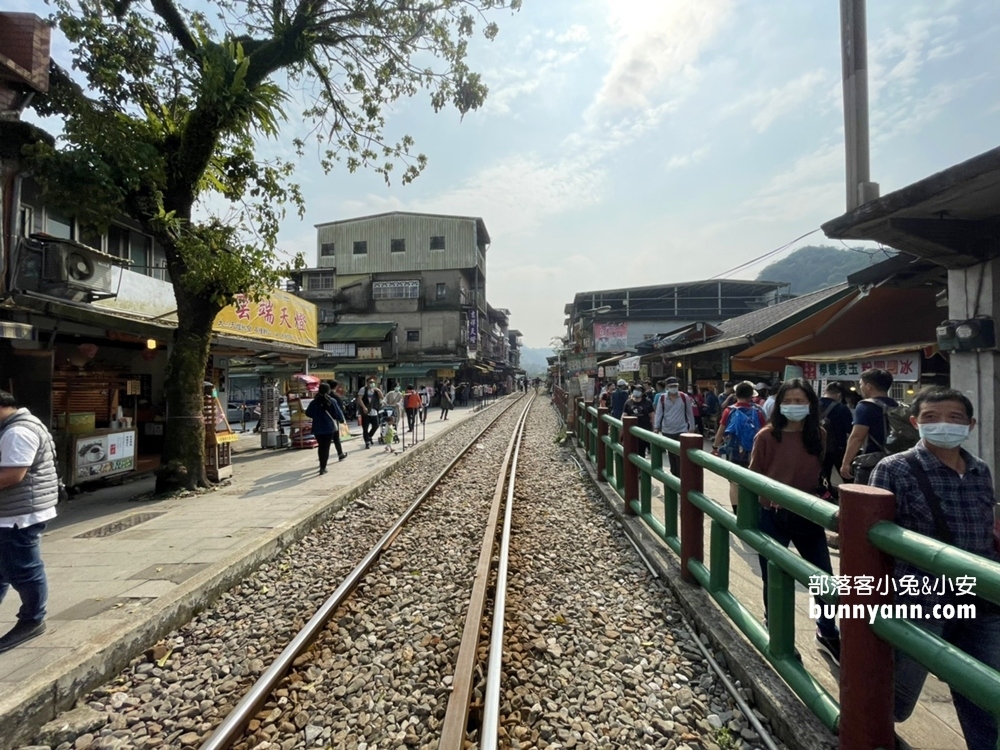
{"x":980,"y":639}
{"x":21,"y":567}
{"x":810,"y":540}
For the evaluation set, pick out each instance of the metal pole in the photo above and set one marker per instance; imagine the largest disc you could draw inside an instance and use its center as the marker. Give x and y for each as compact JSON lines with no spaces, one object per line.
{"x":866,"y":665}
{"x":630,"y":443}
{"x":692,"y":518}
{"x":854,"y":57}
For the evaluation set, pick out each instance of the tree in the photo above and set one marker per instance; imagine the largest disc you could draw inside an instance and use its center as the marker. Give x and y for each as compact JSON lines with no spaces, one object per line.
{"x":174,"y":105}
{"x":816,"y":267}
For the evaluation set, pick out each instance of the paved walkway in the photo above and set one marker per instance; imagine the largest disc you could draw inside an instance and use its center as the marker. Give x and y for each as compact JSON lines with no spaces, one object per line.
{"x":116,"y":561}
{"x":933,"y":725}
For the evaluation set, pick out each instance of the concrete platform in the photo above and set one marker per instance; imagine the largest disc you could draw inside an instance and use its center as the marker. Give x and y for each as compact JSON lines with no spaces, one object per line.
{"x":124,"y":571}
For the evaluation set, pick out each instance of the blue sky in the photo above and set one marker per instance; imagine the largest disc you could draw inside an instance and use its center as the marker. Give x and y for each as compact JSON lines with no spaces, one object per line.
{"x":631,"y":142}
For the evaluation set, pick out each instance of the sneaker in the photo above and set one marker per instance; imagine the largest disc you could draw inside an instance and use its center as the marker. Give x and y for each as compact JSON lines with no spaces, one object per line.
{"x":829,"y":646}
{"x":342,"y":456}
{"x":23,"y":631}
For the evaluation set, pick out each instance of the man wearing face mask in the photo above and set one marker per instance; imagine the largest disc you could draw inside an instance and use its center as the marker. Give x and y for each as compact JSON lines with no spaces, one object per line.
{"x":943,"y":491}
{"x":674,"y":415}
{"x":640,"y":407}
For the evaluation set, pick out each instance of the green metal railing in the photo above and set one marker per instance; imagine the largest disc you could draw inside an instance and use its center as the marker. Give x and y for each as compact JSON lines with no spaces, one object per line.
{"x":863,"y":715}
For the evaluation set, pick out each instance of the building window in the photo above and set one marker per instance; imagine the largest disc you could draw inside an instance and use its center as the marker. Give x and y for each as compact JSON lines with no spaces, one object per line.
{"x":320,"y":281}
{"x":26,"y":221}
{"x":90,"y":237}
{"x":397,"y":246}
{"x":139,"y":249}
{"x":437,"y":243}
{"x":361,"y":247}
{"x":327,"y":250}
{"x":396,"y":289}
{"x":341,"y":349}
{"x":413,"y":336}
{"x":442,"y":291}
{"x":58,"y":225}
{"x":117,"y":241}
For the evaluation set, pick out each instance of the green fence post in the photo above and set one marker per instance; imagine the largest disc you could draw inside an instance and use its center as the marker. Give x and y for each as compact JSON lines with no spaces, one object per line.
{"x":631,"y":445}
{"x":866,"y":664}
{"x":602,"y":453}
{"x":581,"y":427}
{"x":692,"y":519}
{"x":780,"y":612}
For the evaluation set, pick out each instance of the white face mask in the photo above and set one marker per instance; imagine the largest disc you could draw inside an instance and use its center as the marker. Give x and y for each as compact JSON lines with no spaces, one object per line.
{"x":944,"y":434}
{"x":795,"y":412}
{"x":672,"y":390}
{"x":637,"y":395}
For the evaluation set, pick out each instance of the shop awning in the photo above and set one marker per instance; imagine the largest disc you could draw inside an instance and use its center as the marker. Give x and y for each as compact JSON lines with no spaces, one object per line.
{"x":355,"y":332}
{"x":885,"y":317}
{"x":419,"y":370}
{"x":612,"y":360}
{"x":360,"y":367}
{"x":19,"y":331}
{"x":259,"y":347}
{"x":927,"y":348}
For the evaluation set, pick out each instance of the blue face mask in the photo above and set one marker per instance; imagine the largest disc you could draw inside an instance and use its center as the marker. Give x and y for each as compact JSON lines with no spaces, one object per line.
{"x":795,"y":412}
{"x":944,"y":434}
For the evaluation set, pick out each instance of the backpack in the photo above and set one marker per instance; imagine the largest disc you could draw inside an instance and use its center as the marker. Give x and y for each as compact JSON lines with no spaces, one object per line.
{"x":900,"y":435}
{"x":824,"y":422}
{"x":742,"y":426}
{"x":413,"y":400}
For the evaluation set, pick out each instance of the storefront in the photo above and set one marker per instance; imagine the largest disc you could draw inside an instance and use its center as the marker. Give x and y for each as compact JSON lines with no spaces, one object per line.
{"x":95,"y":375}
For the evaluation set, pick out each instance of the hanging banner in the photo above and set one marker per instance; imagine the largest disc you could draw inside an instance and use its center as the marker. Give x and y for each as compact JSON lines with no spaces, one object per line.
{"x":610,"y":337}
{"x":904,"y":368}
{"x":473,"y":330}
{"x":278,"y":317}
{"x":629,"y":364}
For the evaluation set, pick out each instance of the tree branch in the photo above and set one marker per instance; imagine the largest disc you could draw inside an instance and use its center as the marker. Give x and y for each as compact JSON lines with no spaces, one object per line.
{"x":166,"y":10}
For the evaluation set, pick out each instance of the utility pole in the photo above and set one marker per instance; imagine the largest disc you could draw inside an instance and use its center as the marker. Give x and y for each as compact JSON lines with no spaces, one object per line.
{"x":854,"y":56}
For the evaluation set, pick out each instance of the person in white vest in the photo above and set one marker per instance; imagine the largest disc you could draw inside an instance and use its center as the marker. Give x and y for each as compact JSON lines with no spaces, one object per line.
{"x":29,"y":491}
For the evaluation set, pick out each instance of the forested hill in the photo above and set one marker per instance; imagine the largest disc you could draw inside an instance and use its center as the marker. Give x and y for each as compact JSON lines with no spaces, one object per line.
{"x":816,"y":266}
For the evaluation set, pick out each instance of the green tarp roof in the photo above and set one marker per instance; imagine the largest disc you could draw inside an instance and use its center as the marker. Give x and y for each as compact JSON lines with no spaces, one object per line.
{"x":355,"y":332}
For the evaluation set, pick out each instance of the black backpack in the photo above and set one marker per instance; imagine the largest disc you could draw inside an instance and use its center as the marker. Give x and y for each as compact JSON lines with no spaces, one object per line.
{"x":900,"y":435}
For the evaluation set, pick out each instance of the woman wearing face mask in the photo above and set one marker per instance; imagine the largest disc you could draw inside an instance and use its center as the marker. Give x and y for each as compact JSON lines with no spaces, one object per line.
{"x":641,"y":407}
{"x":790,"y":450}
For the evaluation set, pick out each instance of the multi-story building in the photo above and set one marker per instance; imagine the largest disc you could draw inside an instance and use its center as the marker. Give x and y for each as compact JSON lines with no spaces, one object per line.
{"x":404,"y":296}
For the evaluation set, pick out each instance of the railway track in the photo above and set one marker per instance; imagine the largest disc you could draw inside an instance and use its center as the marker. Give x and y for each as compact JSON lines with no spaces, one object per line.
{"x":278,"y":693}
{"x":595,"y":653}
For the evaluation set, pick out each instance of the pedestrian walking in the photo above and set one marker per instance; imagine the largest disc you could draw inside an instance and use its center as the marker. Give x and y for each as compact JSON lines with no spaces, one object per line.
{"x":447,"y":396}
{"x":674,"y":416}
{"x":369,"y":400}
{"x":29,"y":491}
{"x":790,"y":450}
{"x":411,"y":402}
{"x":425,"y":402}
{"x":640,"y":407}
{"x":327,"y":416}
{"x":389,"y":436}
{"x":738,"y":427}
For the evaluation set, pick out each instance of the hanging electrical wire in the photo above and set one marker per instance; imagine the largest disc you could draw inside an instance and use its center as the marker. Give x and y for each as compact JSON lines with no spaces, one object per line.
{"x":765,"y":256}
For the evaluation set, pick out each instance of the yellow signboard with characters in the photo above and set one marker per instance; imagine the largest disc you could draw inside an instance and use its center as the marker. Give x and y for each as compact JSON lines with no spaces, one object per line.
{"x":280,"y":316}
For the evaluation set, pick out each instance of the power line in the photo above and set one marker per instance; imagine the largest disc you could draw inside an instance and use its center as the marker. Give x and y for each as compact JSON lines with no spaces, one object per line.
{"x":765,"y":256}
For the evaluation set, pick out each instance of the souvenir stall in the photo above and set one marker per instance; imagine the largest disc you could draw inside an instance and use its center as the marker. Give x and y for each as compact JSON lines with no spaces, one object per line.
{"x":302,"y":389}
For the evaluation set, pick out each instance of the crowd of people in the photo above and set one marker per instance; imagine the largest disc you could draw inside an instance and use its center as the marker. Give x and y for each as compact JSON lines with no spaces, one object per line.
{"x":852,"y":433}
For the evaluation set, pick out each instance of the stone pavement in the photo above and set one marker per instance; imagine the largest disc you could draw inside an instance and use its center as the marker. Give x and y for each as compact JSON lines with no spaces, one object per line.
{"x":933,"y":725}
{"x":124,"y":570}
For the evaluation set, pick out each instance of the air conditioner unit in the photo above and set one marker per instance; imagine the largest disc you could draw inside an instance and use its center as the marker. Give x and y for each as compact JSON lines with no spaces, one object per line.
{"x":77,"y":267}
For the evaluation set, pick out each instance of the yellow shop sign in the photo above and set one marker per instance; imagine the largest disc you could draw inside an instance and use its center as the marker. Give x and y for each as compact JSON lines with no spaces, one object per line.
{"x":278,"y":317}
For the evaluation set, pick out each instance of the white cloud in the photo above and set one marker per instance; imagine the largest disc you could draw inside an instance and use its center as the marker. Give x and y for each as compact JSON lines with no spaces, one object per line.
{"x":575,"y":34}
{"x":685,"y":160}
{"x":811,"y":189}
{"x":778,"y":102}
{"x":656,"y":43}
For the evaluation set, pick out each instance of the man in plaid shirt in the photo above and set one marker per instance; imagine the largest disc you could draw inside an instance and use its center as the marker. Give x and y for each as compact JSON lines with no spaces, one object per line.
{"x":944,"y":492}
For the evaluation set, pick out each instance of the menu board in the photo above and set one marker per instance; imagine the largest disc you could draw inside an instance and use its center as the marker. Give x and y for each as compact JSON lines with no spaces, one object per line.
{"x":96,"y":456}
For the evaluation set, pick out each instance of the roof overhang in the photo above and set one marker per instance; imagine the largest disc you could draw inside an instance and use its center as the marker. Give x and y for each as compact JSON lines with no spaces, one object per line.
{"x":882,"y":318}
{"x":951,"y":218}
{"x":356,"y":332}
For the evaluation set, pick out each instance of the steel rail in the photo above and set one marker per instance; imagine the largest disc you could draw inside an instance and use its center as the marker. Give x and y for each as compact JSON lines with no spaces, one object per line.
{"x":488,"y":733}
{"x":454,"y":725}
{"x":232,"y":727}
